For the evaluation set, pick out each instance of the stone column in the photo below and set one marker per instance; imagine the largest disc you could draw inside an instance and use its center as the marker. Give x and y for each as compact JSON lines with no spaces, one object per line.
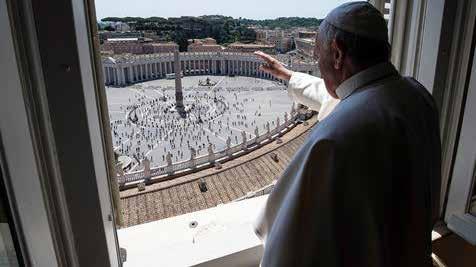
{"x":104,"y":70}
{"x":160,"y":69}
{"x":106,"y":75}
{"x":111,"y":75}
{"x":129,"y":73}
{"x":143,"y":72}
{"x":137,"y":75}
{"x":122,"y":78}
{"x":115,"y":77}
{"x":119,"y":75}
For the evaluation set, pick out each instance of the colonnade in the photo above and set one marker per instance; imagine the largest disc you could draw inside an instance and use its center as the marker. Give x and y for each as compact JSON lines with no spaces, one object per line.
{"x":126,"y":70}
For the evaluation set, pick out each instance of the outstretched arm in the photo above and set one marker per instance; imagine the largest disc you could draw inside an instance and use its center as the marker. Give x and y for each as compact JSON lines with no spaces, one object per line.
{"x":302,"y":88}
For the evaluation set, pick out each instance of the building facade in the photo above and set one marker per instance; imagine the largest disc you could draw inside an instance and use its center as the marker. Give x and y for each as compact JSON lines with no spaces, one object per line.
{"x":281,"y":39}
{"x":204,"y":45}
{"x":136,"y":46}
{"x":128,"y":69}
{"x":305,"y":46}
{"x":307,"y":34}
{"x":250,"y":48}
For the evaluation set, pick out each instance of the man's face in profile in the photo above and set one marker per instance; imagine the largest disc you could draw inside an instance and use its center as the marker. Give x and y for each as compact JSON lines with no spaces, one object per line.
{"x":322,"y":53}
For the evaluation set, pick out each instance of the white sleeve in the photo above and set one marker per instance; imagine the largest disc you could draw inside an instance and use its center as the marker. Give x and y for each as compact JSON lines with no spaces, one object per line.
{"x":310,"y":91}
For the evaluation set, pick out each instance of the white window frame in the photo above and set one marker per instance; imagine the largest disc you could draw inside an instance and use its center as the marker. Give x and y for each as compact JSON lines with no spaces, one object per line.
{"x":417,"y":31}
{"x":437,"y":51}
{"x":458,"y":216}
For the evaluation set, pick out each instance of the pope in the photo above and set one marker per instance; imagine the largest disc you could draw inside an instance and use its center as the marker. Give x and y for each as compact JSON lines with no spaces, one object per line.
{"x":364,"y":188}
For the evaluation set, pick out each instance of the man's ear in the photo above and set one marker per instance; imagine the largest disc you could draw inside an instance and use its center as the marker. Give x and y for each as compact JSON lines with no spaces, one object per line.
{"x":338,"y":54}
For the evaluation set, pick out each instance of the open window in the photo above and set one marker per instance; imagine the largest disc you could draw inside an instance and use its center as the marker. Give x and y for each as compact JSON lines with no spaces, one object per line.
{"x":92,"y":142}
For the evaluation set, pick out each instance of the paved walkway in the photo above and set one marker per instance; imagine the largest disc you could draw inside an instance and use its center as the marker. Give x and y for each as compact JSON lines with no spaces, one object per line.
{"x":237,"y":177}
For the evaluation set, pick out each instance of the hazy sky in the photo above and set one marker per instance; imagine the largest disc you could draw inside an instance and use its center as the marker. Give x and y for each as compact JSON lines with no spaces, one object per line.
{"x":254,"y":9}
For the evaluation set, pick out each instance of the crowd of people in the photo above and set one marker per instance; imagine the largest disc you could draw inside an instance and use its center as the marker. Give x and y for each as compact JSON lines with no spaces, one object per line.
{"x":217,"y":117}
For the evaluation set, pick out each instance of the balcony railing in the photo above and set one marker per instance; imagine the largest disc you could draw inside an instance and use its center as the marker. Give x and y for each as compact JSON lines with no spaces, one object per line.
{"x":172,"y":170}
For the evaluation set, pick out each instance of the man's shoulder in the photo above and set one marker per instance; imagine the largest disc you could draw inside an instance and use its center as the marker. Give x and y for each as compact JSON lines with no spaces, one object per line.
{"x":377,"y":109}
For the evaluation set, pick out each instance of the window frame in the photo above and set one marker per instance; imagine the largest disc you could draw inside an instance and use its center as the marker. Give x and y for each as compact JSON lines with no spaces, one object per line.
{"x":19,"y":163}
{"x":417,"y":32}
{"x":55,"y":220}
{"x":458,"y":216}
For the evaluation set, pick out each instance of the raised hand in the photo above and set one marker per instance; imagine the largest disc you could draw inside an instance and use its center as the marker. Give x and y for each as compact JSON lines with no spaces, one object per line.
{"x":274,"y":67}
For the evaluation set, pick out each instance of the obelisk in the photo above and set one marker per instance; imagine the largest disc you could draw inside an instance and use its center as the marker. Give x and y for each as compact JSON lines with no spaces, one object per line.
{"x":178,"y":83}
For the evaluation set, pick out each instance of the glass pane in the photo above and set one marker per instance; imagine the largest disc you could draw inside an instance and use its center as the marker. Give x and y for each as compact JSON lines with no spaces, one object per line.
{"x":8,"y":255}
{"x":186,"y":98}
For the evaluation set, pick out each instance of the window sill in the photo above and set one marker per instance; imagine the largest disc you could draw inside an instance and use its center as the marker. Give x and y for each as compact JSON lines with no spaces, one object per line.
{"x":223,"y":236}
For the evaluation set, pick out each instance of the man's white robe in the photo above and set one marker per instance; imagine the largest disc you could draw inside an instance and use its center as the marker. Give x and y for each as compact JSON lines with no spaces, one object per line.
{"x":364,"y":188}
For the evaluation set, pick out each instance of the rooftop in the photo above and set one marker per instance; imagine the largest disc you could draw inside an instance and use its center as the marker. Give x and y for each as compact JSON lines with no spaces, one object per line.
{"x":235,"y":180}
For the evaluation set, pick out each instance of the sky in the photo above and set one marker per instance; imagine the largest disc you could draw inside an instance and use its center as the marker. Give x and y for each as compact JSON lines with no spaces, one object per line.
{"x":252,"y":9}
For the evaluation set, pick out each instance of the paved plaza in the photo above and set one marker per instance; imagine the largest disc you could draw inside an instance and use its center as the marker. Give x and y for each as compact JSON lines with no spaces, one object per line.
{"x":223,"y":112}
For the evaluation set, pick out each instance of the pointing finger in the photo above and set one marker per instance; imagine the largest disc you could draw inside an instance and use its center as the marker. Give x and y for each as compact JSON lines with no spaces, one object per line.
{"x":264,"y":56}
{"x":266,"y":68}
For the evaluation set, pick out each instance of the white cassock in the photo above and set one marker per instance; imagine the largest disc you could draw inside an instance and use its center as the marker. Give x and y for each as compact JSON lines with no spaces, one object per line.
{"x":363,"y":190}
{"x":311,"y":91}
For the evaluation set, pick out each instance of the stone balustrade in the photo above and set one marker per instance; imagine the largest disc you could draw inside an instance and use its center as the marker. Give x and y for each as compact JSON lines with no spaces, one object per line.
{"x":162,"y":173}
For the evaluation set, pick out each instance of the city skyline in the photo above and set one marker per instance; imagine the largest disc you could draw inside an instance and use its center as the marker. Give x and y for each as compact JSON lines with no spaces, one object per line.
{"x":264,"y":9}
